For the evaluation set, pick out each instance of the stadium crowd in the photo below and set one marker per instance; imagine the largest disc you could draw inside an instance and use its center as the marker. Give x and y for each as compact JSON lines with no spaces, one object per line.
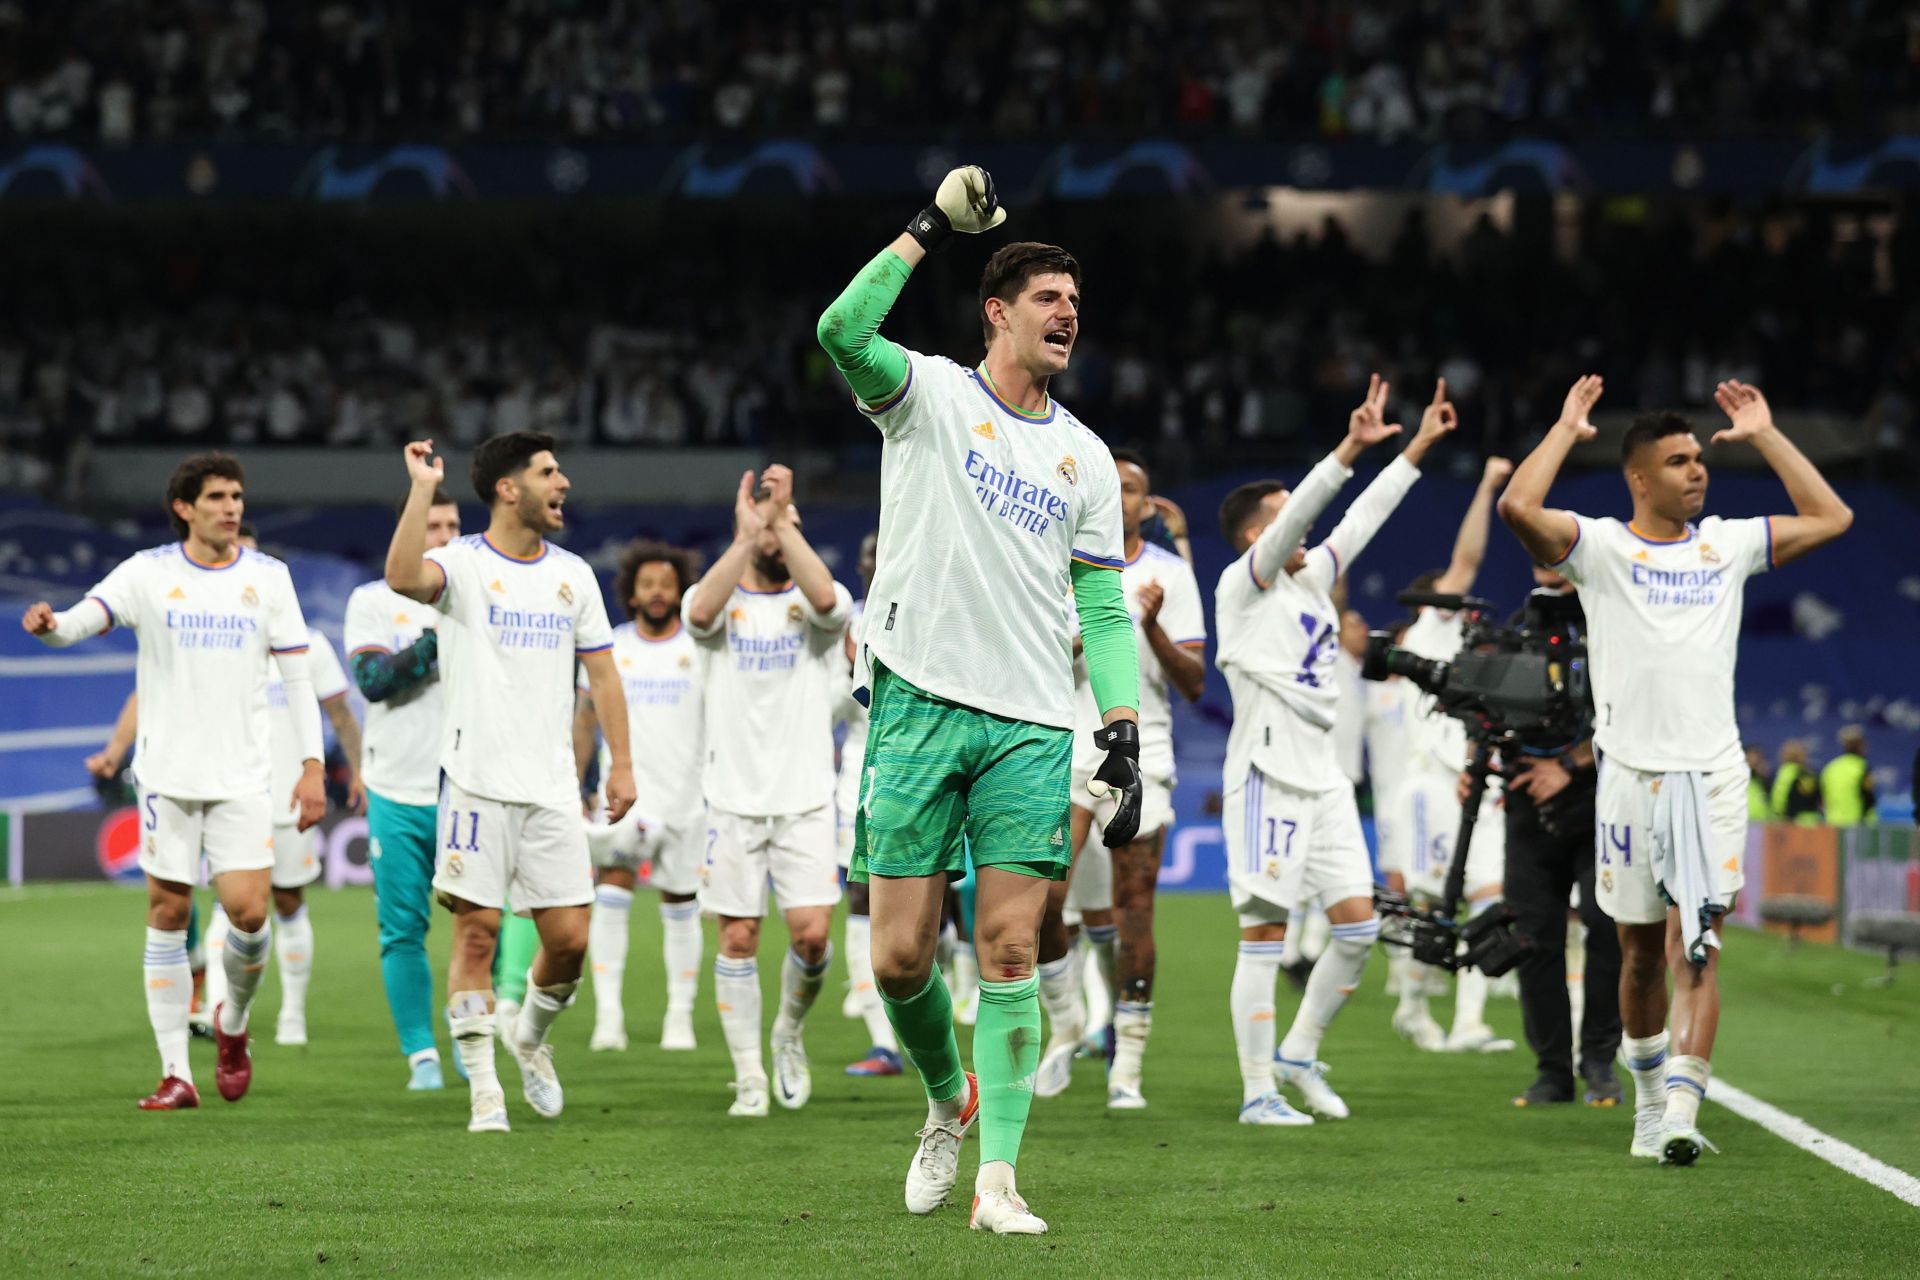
{"x":1387,"y":69}
{"x":240,"y":334}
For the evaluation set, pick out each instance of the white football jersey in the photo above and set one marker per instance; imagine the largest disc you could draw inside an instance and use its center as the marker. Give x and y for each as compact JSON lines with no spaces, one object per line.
{"x":1663,"y":632}
{"x":1350,"y":715}
{"x":400,"y":746}
{"x":773,"y":674}
{"x":1436,"y":742}
{"x":851,"y":711}
{"x":508,"y":667}
{"x":329,"y":681}
{"x":982,"y":509}
{"x":1386,"y":737}
{"x":665,"y":714}
{"x":207,"y":636}
{"x":1184,"y":621}
{"x":1277,"y":644}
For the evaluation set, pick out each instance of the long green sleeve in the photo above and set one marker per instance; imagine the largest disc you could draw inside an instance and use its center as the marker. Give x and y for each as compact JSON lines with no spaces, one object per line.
{"x":849,"y":329}
{"x":1106,"y":635}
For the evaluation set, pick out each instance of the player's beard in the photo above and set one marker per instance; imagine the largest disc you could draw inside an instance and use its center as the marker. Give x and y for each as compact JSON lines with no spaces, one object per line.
{"x":534,"y":514}
{"x":656,"y":615}
{"x":772,"y":568}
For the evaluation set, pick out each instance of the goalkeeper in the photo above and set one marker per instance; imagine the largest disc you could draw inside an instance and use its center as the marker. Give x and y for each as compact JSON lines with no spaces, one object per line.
{"x":994,"y":500}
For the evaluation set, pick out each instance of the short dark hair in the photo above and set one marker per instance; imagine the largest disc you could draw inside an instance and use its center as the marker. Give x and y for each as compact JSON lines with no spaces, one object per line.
{"x":441,"y":498}
{"x":1009,"y":269}
{"x":1425,"y":581}
{"x":1134,"y":456}
{"x":1240,"y":506}
{"x":1651,"y":428}
{"x":686,"y":568}
{"x":192,"y":475}
{"x":501,"y":456}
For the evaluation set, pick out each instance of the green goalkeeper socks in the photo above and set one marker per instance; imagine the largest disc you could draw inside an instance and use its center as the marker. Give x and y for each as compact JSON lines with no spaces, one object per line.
{"x":519,"y":939}
{"x":1006,"y":1053}
{"x":924,"y":1025}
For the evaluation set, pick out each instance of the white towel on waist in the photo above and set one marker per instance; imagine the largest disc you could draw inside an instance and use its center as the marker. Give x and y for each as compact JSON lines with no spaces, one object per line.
{"x":1683,"y":858}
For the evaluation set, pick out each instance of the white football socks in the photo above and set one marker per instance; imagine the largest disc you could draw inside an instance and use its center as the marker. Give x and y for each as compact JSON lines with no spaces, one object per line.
{"x":169,"y":983}
{"x":1099,"y":974}
{"x":216,"y":947}
{"x":1470,"y":999}
{"x":607,"y":954}
{"x":1687,"y":1077}
{"x":1410,"y":979}
{"x":800,"y":985}
{"x":1060,"y":997}
{"x":1132,"y":1023}
{"x":245,"y":963}
{"x":1646,"y":1059}
{"x":293,"y":947}
{"x":680,"y":948}
{"x":1251,"y":1001}
{"x":736,"y":993}
{"x":1335,"y":975}
{"x":470,"y":1016}
{"x":866,"y":993}
{"x":541,"y":1007}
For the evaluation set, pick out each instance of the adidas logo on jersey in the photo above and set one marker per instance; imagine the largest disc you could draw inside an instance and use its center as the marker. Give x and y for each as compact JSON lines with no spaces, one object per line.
{"x":495,"y":586}
{"x":984,"y":430}
{"x":176,"y":594}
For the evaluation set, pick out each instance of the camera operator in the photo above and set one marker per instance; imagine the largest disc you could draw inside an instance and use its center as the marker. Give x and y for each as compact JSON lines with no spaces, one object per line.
{"x":1549,"y":825}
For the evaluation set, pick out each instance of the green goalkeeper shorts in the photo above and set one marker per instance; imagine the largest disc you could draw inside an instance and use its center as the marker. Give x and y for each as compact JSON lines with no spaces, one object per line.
{"x":941,"y":780}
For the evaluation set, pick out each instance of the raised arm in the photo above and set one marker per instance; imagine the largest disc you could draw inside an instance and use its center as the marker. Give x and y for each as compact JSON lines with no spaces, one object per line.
{"x":1548,"y":534}
{"x":1366,"y":426}
{"x":715,"y":588}
{"x":408,"y":570}
{"x":810,"y":572}
{"x":380,"y":675}
{"x":849,"y":328}
{"x":1470,"y":544}
{"x":1819,"y":515}
{"x":1185,"y":664}
{"x":1380,"y":499}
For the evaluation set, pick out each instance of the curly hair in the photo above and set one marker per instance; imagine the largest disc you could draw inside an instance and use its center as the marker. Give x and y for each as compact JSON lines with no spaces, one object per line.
{"x":685,"y":563}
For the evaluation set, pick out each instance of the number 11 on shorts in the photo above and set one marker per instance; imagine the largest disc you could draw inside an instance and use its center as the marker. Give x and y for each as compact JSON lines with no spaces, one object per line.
{"x":473,"y":832}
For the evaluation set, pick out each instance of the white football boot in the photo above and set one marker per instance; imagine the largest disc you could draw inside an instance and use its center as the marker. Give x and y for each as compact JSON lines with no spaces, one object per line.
{"x":1311,"y":1080}
{"x":936,"y":1161}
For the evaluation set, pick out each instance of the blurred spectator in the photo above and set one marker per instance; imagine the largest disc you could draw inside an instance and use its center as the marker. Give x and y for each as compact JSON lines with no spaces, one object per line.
{"x":1759,"y":786}
{"x":363,"y":69}
{"x":1796,"y":788}
{"x":1846,"y":784}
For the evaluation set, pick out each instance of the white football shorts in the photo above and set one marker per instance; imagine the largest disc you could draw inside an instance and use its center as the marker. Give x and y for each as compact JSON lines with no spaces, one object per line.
{"x":795,"y":852}
{"x":296,"y":856}
{"x":235,"y":835}
{"x":1418,"y":840}
{"x":495,"y":852}
{"x":1290,"y":849}
{"x":1623,"y":840}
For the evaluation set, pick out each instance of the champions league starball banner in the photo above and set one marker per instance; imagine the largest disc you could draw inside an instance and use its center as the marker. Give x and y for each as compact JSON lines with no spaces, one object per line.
{"x":96,"y":845}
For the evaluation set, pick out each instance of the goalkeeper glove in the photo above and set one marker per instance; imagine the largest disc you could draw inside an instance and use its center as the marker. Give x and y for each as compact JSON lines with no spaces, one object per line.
{"x":1119,"y":774}
{"x":965,"y":202}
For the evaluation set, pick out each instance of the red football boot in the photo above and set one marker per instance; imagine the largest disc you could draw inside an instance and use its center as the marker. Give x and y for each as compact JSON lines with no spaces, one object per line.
{"x":233,"y":1065}
{"x":171,"y":1094}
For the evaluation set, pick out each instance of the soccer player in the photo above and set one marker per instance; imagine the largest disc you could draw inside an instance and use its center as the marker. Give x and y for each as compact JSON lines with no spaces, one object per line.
{"x":659,"y":667}
{"x":770,"y":622}
{"x":1171,"y":630}
{"x":210,"y":616}
{"x":521,"y":610}
{"x":1663,"y":595}
{"x":1417,"y":841}
{"x":994,"y":502}
{"x":1292,"y":826}
{"x":393,"y":648}
{"x":863,"y":997}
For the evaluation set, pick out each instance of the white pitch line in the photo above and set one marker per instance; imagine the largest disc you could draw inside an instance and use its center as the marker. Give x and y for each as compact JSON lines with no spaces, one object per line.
{"x":1793,"y":1129}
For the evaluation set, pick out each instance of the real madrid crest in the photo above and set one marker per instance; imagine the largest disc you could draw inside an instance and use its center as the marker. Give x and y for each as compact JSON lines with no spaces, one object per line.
{"x":1708,"y":555}
{"x":794,"y":613}
{"x":566,"y":593}
{"x":249,"y":597}
{"x":1068,"y":470}
{"x":455,"y":866}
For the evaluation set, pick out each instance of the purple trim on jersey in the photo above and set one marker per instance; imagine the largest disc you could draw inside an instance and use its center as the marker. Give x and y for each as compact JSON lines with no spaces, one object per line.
{"x":1195,"y":641}
{"x":1661,"y":542}
{"x":777,"y":591}
{"x":891,"y":400}
{"x":488,"y":542}
{"x":238,"y":554}
{"x":1328,"y":547}
{"x":297,"y":648}
{"x":368,"y":648}
{"x":599,"y":648}
{"x":1256,"y":577}
{"x":113,"y":621}
{"x":1018,"y":415}
{"x":644,"y":638}
{"x":1771,"y":564}
{"x":1098,"y":562}
{"x":1570,"y":546}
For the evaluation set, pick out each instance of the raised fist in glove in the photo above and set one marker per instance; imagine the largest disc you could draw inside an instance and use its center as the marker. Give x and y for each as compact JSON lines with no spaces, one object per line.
{"x":1119,"y":774}
{"x":965,"y":202}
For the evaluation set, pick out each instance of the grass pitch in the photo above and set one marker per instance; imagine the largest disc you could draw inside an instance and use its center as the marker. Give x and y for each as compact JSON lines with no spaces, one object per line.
{"x":329,"y":1167}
